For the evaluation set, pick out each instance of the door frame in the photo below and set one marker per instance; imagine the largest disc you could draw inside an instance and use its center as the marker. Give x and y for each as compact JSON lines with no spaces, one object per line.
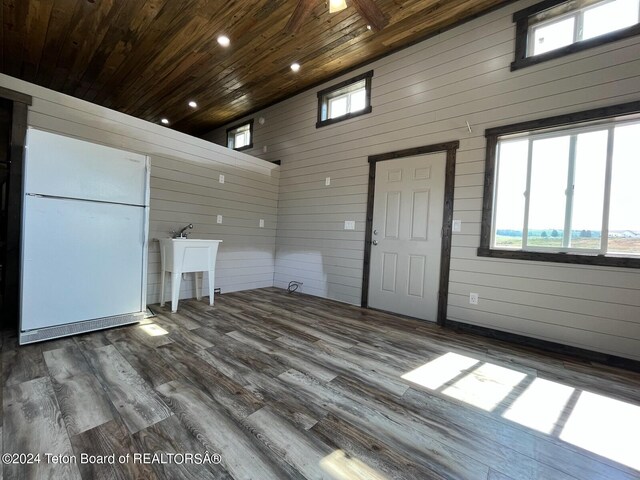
{"x":450,"y":149}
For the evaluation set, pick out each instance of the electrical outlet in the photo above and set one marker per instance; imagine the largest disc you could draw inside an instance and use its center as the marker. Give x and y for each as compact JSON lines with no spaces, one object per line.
{"x":219,"y":219}
{"x":349,"y":224}
{"x":221,"y":180}
{"x":474,"y":298}
{"x":327,"y":181}
{"x":262,"y":223}
{"x":457,"y":225}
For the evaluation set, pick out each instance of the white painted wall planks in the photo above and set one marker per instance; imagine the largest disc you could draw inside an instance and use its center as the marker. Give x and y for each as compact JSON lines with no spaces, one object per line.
{"x":184,"y":186}
{"x":426,"y":94}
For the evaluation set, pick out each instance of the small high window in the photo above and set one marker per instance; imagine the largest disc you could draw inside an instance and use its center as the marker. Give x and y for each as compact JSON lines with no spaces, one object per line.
{"x":240,"y":137}
{"x":348,"y":99}
{"x":565,"y":188}
{"x":554,"y":29}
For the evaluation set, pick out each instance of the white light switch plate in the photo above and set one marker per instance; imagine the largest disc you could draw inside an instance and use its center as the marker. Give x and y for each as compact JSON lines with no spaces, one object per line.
{"x":221,"y":180}
{"x":262,"y":223}
{"x":349,"y":225}
{"x":457,"y":225}
{"x":327,"y":181}
{"x":219,"y":219}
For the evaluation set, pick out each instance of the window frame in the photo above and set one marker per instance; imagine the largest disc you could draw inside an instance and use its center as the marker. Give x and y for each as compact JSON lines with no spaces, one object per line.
{"x":323,"y":100}
{"x":238,"y":126}
{"x":584,"y":257}
{"x":527,"y":18}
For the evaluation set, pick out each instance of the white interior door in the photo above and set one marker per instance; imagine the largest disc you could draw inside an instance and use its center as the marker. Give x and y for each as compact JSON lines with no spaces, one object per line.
{"x":407,"y":226}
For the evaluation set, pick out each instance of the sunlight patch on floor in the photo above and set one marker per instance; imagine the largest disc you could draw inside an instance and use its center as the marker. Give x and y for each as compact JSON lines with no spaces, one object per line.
{"x":341,"y":466}
{"x":486,"y":386}
{"x":599,"y":424}
{"x":153,"y":330}
{"x":440,"y":370}
{"x":540,"y":405}
{"x":605,"y":426}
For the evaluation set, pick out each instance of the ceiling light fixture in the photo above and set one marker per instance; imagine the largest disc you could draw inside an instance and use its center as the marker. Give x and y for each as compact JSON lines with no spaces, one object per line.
{"x":224,"y":41}
{"x":337,"y":5}
{"x":193,"y":104}
{"x":368,"y":27}
{"x":165,"y":121}
{"x":295,"y":67}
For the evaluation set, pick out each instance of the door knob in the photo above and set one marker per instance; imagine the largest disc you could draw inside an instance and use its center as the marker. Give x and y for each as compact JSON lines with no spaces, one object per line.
{"x":375,"y":242}
{"x":375,"y":232}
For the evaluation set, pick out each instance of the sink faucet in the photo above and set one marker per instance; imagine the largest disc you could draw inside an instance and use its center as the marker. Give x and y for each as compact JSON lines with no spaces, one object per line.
{"x":182,"y":233}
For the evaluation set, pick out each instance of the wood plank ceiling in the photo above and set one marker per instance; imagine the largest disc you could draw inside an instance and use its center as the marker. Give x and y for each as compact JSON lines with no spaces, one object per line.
{"x":149,"y":58}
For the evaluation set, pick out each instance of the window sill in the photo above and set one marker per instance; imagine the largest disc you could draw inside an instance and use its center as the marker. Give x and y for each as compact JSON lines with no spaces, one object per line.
{"x":331,"y":121}
{"x":576,"y":47}
{"x":246,"y":147}
{"x":574,"y":258}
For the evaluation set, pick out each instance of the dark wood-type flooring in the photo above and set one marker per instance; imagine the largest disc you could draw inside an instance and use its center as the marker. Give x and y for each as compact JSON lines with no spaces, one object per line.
{"x":292,"y":386}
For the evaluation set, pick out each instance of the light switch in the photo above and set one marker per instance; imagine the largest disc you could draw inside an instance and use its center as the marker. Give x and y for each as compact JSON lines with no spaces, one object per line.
{"x":262,"y":223}
{"x":264,"y":149}
{"x":349,"y":225}
{"x":457,"y":225}
{"x":327,"y":181}
{"x":219,"y":218}
{"x":221,"y":180}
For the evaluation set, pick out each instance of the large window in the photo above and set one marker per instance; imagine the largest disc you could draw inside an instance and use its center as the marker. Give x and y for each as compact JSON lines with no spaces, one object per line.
{"x":566,"y":189}
{"x":553,"y":29}
{"x":240,"y":137}
{"x":346,"y":100}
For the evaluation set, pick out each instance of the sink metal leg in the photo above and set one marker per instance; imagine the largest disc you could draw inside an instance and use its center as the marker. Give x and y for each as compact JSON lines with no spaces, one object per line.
{"x":212,"y":281}
{"x":175,"y":291}
{"x":198,"y":287}
{"x":162,"y":277}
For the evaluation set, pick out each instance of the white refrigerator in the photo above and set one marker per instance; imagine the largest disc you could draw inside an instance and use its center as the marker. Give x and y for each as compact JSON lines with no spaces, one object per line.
{"x":84,"y":237}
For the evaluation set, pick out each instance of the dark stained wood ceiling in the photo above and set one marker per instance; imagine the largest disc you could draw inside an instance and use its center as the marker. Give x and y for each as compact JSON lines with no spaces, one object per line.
{"x":149,"y":58}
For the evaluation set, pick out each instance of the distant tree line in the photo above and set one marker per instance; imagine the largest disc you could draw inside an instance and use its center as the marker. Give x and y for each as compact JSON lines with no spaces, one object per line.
{"x":549,"y":233}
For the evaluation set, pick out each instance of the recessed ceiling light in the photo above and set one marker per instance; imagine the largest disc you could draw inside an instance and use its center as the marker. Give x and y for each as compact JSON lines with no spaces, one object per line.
{"x":165,"y":121}
{"x":368,"y":27}
{"x":295,"y":67}
{"x":193,"y":104}
{"x":224,"y":40}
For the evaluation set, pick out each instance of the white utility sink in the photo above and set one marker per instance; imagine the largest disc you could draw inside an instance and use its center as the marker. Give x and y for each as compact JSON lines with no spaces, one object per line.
{"x":186,"y":255}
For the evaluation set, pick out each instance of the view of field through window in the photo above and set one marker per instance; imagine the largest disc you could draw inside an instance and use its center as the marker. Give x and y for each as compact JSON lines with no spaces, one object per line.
{"x":552,"y":191}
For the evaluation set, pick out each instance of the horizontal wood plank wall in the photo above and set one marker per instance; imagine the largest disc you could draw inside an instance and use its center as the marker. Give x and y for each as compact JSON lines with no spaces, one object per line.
{"x":184,"y":187}
{"x":424,"y":95}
